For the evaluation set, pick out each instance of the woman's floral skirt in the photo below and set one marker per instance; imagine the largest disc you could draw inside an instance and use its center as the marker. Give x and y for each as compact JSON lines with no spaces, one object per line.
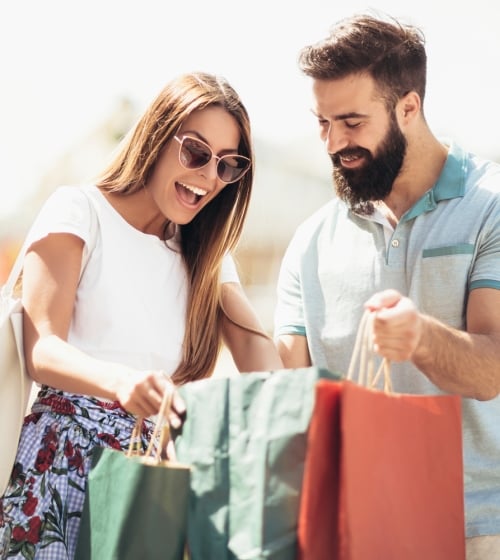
{"x":41,"y":508}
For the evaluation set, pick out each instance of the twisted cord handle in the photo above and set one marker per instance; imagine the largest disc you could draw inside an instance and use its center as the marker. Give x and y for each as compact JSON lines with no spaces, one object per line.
{"x":364,"y":354}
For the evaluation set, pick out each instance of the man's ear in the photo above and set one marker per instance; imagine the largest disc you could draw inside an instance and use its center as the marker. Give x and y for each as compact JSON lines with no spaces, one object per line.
{"x":408,"y":107}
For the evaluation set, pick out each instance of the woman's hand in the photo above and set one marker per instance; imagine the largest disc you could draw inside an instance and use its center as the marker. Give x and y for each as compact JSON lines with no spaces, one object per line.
{"x":141,"y":393}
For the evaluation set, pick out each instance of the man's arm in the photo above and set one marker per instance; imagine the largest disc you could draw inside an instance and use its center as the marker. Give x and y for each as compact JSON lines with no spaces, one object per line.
{"x":463,"y":362}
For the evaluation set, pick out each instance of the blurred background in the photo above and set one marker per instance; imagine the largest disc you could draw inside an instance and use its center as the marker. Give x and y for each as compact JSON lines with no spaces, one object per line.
{"x":75,"y":76}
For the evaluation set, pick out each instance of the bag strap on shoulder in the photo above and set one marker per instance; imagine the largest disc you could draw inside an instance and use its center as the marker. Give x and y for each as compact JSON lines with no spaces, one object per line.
{"x":8,"y":287}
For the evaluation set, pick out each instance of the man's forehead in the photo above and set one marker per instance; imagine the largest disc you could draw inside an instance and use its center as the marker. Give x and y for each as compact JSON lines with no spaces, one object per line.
{"x":350,"y":97}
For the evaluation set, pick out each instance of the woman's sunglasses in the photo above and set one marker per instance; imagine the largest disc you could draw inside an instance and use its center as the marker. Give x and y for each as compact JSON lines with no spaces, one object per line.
{"x":195,"y":154}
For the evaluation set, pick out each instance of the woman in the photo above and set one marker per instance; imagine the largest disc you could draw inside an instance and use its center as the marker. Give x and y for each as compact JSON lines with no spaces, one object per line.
{"x":127,"y":285}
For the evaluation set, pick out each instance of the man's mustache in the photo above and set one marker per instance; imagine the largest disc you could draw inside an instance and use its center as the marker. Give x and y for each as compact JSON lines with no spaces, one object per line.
{"x":349,"y":152}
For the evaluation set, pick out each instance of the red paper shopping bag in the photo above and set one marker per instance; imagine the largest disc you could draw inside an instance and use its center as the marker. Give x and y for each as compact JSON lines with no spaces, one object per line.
{"x":318,"y":514}
{"x":383,"y":477}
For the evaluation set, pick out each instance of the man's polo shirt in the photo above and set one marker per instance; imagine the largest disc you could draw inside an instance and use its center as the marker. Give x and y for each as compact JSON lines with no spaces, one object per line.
{"x":447,"y":244}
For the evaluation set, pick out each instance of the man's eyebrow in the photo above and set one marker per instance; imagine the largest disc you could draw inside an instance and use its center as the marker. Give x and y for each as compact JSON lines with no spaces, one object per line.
{"x":344,"y":116}
{"x":351,"y":115}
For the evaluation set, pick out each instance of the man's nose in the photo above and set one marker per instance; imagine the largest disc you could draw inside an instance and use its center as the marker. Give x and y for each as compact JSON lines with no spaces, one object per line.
{"x":336,"y":139}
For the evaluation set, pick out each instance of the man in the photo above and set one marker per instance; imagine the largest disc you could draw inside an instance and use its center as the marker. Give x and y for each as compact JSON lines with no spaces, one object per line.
{"x":415,"y":222}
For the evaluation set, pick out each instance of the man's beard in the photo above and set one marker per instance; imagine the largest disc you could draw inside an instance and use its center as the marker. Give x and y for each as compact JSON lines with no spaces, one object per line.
{"x":374,"y":179}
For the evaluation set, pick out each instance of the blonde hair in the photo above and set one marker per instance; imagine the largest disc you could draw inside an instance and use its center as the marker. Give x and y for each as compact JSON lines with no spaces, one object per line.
{"x":215,"y":230}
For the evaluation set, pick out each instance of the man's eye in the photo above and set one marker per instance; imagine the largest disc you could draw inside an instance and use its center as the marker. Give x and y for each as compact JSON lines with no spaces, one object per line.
{"x":352,"y":124}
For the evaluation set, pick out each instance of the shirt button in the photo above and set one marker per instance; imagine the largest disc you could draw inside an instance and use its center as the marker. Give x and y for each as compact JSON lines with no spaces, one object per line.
{"x":395,"y":243}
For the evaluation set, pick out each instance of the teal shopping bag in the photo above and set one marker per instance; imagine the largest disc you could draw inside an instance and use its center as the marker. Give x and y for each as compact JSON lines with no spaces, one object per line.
{"x":245,"y":439}
{"x":133,"y":510}
{"x":135,"y":504}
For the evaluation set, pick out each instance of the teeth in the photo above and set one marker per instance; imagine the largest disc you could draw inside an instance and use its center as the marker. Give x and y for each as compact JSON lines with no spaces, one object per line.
{"x":195,"y":190}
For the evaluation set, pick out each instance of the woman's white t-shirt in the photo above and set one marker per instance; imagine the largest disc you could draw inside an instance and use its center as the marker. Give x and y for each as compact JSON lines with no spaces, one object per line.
{"x":130,"y":303}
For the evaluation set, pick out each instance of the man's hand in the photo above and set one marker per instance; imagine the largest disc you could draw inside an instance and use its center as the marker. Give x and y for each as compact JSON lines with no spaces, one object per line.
{"x":397,"y":325}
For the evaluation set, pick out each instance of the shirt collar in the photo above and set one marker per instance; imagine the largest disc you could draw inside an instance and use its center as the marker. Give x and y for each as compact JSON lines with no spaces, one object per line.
{"x":450,"y":183}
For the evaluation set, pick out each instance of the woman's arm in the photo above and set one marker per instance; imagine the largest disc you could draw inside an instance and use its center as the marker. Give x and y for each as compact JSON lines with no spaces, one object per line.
{"x":252,"y":349}
{"x":50,"y":279}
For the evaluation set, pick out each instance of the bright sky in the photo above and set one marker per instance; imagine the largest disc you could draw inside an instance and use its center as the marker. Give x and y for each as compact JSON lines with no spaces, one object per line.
{"x":65,"y":63}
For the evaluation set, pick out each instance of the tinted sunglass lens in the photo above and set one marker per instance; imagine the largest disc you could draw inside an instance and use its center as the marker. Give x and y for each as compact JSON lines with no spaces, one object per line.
{"x":194,"y":154}
{"x":231,"y":168}
{"x":225,"y":172}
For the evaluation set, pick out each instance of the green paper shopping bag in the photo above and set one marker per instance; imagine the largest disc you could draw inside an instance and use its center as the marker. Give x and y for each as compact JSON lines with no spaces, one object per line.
{"x":135,"y":506}
{"x":245,"y":439}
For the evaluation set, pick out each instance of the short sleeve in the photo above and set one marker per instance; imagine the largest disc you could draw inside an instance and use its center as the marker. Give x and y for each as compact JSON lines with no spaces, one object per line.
{"x":289,"y":314}
{"x":67,"y":210}
{"x":228,"y":270}
{"x":486,"y":269}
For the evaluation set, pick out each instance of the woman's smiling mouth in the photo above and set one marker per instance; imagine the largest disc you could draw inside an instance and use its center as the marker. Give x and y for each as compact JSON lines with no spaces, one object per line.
{"x":189,"y":193}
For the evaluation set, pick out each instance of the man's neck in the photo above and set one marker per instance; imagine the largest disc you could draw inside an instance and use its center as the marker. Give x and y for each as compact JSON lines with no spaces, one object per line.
{"x":423,"y":164}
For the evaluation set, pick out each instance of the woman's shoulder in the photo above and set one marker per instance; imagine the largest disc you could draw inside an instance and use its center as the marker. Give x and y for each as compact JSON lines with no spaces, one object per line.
{"x":67,"y":210}
{"x":69,"y":198}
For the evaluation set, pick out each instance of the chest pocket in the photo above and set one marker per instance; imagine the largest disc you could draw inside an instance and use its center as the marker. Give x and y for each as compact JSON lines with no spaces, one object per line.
{"x":444,"y":280}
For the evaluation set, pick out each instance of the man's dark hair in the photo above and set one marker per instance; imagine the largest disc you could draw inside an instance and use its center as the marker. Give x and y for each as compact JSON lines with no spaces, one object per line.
{"x":393,"y":54}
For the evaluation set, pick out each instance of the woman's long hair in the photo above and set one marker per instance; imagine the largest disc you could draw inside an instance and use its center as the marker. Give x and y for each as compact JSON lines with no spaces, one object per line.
{"x":215,"y":230}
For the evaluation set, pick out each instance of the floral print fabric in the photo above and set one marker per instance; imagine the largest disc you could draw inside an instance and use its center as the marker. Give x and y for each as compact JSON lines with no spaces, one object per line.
{"x":41,"y":508}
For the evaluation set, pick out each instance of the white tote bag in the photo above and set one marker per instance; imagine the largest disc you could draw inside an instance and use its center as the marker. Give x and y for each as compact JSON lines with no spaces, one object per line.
{"x":15,"y":384}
